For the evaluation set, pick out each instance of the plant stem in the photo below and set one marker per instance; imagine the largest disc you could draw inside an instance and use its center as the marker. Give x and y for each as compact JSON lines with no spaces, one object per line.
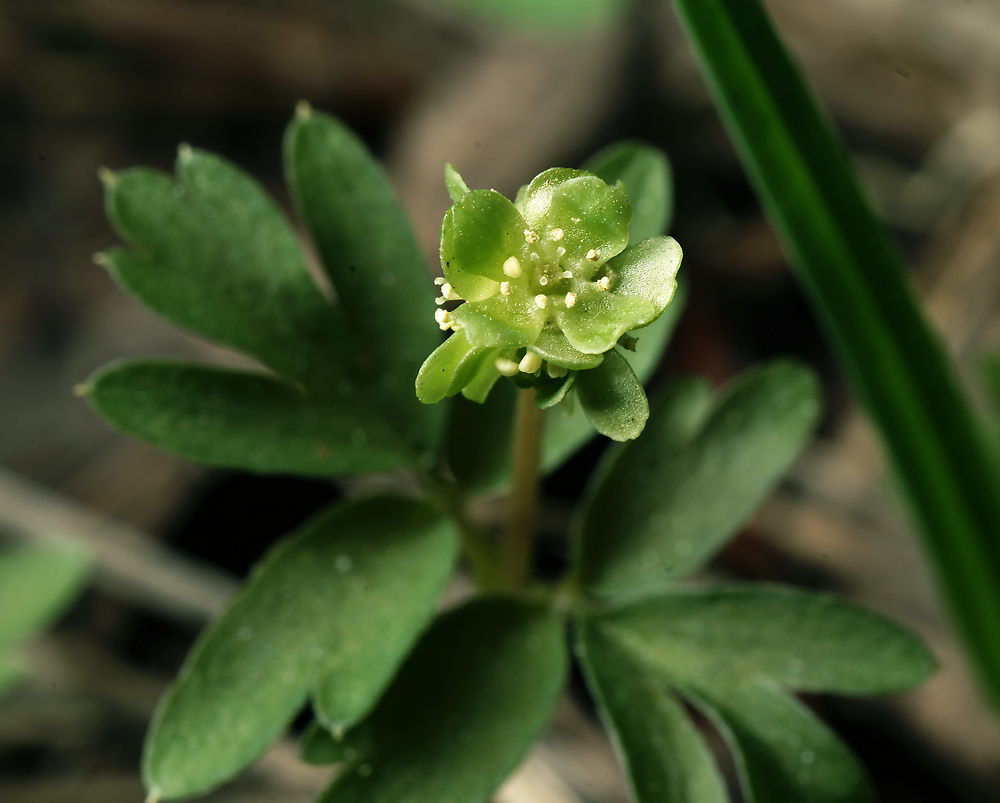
{"x":517,"y":548}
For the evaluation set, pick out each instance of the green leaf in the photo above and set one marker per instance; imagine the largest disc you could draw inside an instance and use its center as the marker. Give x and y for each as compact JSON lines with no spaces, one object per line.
{"x":645,"y":172}
{"x":320,"y":747}
{"x":730,"y":651}
{"x":478,"y":438}
{"x":647,"y":518}
{"x":247,"y":420}
{"x":36,"y":585}
{"x":803,"y":641}
{"x":465,"y":708}
{"x":334,"y":609}
{"x":612,"y":398}
{"x":662,"y":752}
{"x":212,"y":253}
{"x":457,"y":188}
{"x":371,"y":257}
{"x":855,"y":277}
{"x":783,"y":752}
{"x":12,"y":674}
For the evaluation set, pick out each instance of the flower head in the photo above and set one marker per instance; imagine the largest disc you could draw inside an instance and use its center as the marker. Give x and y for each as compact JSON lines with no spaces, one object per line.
{"x":548,"y":284}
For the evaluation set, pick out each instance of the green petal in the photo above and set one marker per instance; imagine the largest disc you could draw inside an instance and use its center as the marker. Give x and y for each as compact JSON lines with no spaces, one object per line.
{"x":501,"y":322}
{"x":457,"y":188}
{"x":591,"y":214}
{"x":599,"y":318}
{"x":479,"y":387}
{"x":552,"y":345}
{"x":612,"y":398}
{"x":478,"y":235}
{"x":448,"y":369}
{"x":648,"y":270}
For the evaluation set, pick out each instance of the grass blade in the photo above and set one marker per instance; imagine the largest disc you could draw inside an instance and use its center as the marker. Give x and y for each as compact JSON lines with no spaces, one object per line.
{"x":854,"y":276}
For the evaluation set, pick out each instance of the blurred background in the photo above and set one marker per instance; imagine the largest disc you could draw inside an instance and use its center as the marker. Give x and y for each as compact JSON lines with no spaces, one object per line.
{"x":913,"y":86}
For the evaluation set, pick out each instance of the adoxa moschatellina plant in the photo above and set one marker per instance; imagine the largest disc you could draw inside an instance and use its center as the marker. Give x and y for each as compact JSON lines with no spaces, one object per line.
{"x":411,"y":702}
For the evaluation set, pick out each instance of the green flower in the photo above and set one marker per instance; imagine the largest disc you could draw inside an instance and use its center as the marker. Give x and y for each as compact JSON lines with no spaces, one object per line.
{"x":548,"y":283}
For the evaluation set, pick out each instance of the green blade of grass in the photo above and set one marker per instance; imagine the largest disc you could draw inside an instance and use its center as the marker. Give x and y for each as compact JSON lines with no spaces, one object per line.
{"x":854,"y":276}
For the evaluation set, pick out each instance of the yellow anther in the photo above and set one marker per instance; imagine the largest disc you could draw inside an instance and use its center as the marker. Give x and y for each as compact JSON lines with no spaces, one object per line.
{"x":530,"y":236}
{"x":512,"y":267}
{"x":439,"y":281}
{"x":603,"y":283}
{"x":556,"y":234}
{"x":505,"y":288}
{"x":570,"y":300}
{"x":530,"y":363}
{"x":541,"y":301}
{"x":593,"y":255}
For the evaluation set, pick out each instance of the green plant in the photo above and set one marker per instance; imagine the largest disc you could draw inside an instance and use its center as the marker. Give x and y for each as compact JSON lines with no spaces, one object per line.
{"x":36,"y":585}
{"x":419,"y":705}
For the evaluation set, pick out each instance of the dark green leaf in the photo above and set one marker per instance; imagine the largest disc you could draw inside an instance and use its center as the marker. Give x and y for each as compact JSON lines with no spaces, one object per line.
{"x":249,"y":421}
{"x":465,"y":708}
{"x":783,"y":752}
{"x":855,"y":277}
{"x":803,"y":641}
{"x":667,"y":502}
{"x":334,"y":609}
{"x":664,"y":757}
{"x":211,"y":252}
{"x":36,"y":586}
{"x":612,"y":398}
{"x":319,"y":746}
{"x":371,"y":257}
{"x":645,"y":173}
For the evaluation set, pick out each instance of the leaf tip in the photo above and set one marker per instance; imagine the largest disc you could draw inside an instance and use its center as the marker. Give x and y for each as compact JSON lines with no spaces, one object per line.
{"x":100,"y":258}
{"x":303,"y":110}
{"x":82,"y":390}
{"x":107,"y":177}
{"x":184,"y":152}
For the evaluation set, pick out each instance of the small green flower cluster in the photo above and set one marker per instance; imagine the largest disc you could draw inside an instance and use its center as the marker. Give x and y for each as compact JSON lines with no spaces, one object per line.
{"x":549,"y":284}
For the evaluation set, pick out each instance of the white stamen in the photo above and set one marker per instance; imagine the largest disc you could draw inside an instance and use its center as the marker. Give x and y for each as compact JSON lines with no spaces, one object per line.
{"x":530,"y":363}
{"x":603,"y":283}
{"x":541,"y":301}
{"x":535,"y":258}
{"x":530,"y":236}
{"x":556,"y":234}
{"x":593,"y":255}
{"x":505,"y":288}
{"x":544,"y":280}
{"x":560,"y":251}
{"x":556,"y":371}
{"x":570,"y":300}
{"x":567,"y":274}
{"x":444,"y":319}
{"x":512,"y":267}
{"x":575,"y":219}
{"x":446,"y":290}
{"x":507,"y":367}
{"x":439,"y":280}
{"x":439,"y":301}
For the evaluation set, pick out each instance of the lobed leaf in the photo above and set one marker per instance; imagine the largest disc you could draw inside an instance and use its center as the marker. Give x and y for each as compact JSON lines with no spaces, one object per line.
{"x":663,"y":505}
{"x":303,"y":623}
{"x":247,"y":420}
{"x":212,"y":253}
{"x":369,"y":253}
{"x":465,"y":708}
{"x":660,"y":748}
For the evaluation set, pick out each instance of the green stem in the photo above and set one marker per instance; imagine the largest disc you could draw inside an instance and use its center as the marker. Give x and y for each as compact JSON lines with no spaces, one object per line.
{"x":517,"y":549}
